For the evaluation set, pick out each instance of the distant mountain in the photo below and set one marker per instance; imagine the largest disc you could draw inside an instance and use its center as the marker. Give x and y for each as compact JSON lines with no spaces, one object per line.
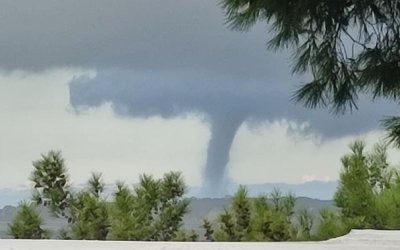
{"x":12,"y":197}
{"x":314,"y":189}
{"x":199,"y":209}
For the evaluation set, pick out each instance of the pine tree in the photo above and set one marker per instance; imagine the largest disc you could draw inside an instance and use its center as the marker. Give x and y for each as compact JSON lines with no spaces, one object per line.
{"x":366,"y":180}
{"x":348,"y":47}
{"x":51,"y":183}
{"x":256,"y":219}
{"x":27,"y":223}
{"x":154,"y":210}
{"x":241,"y":207}
{"x":89,"y":211}
{"x":305,"y":224}
{"x":331,"y":225}
{"x":209,"y":231}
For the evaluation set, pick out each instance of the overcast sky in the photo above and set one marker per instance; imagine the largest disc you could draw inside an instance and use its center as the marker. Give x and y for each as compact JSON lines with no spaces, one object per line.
{"x":127,"y":87}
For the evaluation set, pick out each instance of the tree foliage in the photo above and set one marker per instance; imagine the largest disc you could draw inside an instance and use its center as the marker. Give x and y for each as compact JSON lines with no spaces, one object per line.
{"x":27,"y":223}
{"x":153,"y":210}
{"x":186,"y":235}
{"x":209,"y":231}
{"x":305,"y":222}
{"x":89,"y":211}
{"x":51,"y":182}
{"x":368,"y":196}
{"x":349,"y":47}
{"x":258,"y":219}
{"x":367,"y":192}
{"x":86,"y":211}
{"x":331,"y":225}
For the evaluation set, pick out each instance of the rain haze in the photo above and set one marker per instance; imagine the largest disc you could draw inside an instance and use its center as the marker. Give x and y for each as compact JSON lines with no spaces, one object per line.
{"x":130,"y":87}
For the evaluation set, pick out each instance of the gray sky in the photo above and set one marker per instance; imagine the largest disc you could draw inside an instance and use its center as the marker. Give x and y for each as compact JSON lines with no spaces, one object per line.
{"x":136,"y":86}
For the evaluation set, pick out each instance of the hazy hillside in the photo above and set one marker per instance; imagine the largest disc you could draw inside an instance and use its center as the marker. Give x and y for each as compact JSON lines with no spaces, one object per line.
{"x":199,"y":209}
{"x":323,"y":190}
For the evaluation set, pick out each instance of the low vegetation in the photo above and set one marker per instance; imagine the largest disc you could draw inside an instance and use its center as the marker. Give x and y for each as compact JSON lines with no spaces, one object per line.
{"x":368,"y":196}
{"x":153,"y":210}
{"x":27,"y":223}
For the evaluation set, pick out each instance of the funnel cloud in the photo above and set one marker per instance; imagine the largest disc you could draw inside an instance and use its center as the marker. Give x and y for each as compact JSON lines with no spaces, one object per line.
{"x":175,"y":94}
{"x":223,"y":101}
{"x":223,"y":132}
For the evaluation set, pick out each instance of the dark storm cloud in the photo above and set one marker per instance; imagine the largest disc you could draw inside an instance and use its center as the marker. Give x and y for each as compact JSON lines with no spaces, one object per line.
{"x":152,"y":37}
{"x":138,"y":34}
{"x":175,"y":93}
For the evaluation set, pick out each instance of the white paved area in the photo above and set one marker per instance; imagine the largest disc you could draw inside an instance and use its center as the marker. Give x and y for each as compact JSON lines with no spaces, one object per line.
{"x":357,"y":239}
